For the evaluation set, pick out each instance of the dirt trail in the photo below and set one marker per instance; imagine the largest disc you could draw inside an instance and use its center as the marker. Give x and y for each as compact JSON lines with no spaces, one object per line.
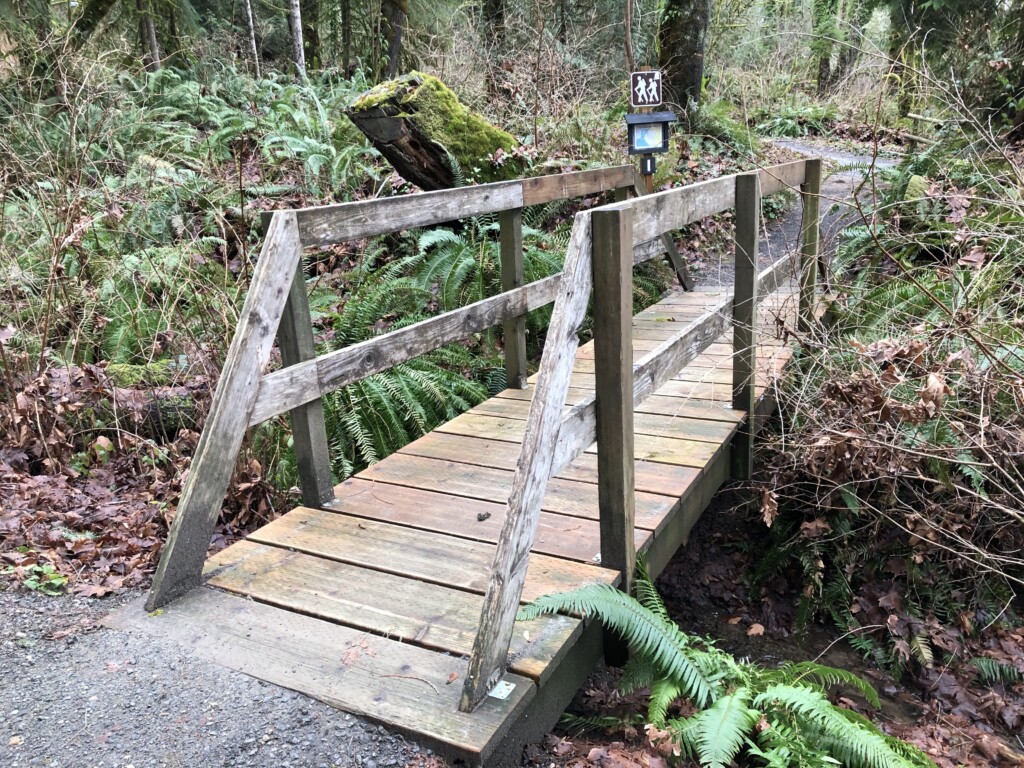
{"x":76,"y":696}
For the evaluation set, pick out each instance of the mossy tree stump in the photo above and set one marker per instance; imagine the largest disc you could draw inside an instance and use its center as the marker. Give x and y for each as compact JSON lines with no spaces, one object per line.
{"x":420,"y":126}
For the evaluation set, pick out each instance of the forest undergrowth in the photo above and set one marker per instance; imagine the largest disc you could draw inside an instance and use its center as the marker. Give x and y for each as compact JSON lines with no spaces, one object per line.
{"x":129,"y":223}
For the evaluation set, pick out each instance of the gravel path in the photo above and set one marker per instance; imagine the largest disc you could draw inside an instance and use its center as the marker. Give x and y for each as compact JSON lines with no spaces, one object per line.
{"x":73,"y":695}
{"x":76,"y":696}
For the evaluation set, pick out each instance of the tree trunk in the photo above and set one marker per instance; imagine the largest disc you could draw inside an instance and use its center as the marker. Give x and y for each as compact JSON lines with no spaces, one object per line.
{"x":250,"y":20}
{"x":93,"y":12}
{"x":682,"y":38}
{"x":627,"y":24}
{"x":420,"y":126}
{"x":494,"y":23}
{"x":394,"y":13}
{"x":147,"y":33}
{"x":346,"y":37}
{"x":492,"y":32}
{"x":311,"y":32}
{"x":823,"y":39}
{"x":295,"y":26}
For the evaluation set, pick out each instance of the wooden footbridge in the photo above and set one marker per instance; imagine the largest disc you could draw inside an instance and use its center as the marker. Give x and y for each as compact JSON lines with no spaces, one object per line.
{"x":393,"y":594}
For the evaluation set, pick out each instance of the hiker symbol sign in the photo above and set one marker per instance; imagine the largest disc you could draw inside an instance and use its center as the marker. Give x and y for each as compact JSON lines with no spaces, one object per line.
{"x":645,"y":89}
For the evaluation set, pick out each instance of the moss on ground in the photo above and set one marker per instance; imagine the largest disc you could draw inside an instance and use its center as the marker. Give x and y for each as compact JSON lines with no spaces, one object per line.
{"x":157,"y":374}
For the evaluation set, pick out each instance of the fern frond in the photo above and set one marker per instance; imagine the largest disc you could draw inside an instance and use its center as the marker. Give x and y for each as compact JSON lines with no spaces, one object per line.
{"x":716,"y":734}
{"x":827,"y":677}
{"x":645,"y":632}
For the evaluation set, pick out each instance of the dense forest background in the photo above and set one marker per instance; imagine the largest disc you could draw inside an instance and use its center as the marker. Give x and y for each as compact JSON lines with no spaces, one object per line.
{"x":140,"y":141}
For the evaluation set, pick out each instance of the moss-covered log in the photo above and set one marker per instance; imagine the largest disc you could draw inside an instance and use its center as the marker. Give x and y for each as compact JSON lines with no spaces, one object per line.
{"x":420,"y":126}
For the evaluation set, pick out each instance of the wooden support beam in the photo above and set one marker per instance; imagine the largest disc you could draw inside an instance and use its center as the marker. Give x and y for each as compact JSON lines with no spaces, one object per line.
{"x":497,"y":618}
{"x":287,"y":388}
{"x":512,"y":276}
{"x":810,"y":195}
{"x":613,"y":365}
{"x":181,"y":562}
{"x":309,"y":434}
{"x":666,"y":241}
{"x":744,"y":363}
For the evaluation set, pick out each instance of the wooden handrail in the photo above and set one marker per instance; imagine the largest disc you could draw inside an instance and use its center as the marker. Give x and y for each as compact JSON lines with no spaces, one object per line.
{"x":339,"y":223}
{"x":553,"y":439}
{"x":277,"y":305}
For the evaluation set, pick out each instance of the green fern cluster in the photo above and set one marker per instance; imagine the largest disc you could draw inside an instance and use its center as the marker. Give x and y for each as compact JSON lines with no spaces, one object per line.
{"x":782,"y":717}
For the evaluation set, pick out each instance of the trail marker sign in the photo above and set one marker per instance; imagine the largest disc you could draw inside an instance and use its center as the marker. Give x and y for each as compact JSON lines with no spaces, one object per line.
{"x":645,"y":89}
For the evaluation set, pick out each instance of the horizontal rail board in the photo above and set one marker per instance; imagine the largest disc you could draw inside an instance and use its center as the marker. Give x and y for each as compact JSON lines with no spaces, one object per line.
{"x":544,"y":189}
{"x":776,"y":178}
{"x":579,"y":425}
{"x":328,"y":224}
{"x":653,"y":215}
{"x":297,"y":385}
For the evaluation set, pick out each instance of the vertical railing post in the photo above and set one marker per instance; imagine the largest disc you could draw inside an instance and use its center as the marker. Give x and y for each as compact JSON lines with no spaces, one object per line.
{"x":309,"y":433}
{"x":512,"y":276}
{"x":744,"y":337}
{"x":613,"y":365}
{"x":810,"y":195}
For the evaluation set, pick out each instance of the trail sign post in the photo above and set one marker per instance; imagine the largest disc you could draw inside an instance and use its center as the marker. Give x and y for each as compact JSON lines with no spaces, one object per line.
{"x":648,"y":131}
{"x":645,"y":89}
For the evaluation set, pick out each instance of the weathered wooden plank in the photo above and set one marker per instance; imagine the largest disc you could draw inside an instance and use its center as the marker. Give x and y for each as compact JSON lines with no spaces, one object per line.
{"x":327,"y":224}
{"x":744,"y":337}
{"x":613,"y":315}
{"x":662,"y":212}
{"x":513,"y":276}
{"x":810,"y":236}
{"x":649,"y":250}
{"x":580,"y":424}
{"x":181,"y":562}
{"x":575,"y":538}
{"x":309,"y":434}
{"x":425,"y":555}
{"x":455,"y":478}
{"x":303,"y":383}
{"x":679,"y":421}
{"x":653,"y":215}
{"x":394,"y":683}
{"x":544,"y":189}
{"x":660,"y":479}
{"x":428,"y":615}
{"x":668,"y":246}
{"x":517,"y":536}
{"x":777,"y":178}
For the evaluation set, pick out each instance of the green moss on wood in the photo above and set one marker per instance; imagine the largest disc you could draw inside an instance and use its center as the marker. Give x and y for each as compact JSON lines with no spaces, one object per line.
{"x":436,"y":113}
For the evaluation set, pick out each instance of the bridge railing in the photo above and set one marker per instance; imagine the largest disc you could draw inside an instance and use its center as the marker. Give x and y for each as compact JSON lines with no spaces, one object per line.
{"x":277,"y":306}
{"x":605,"y":244}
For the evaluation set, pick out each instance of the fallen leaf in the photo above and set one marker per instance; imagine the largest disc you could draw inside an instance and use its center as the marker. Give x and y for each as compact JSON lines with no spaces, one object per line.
{"x":735,"y":619}
{"x":755,"y":630}
{"x":933,"y":393}
{"x":815,"y":528}
{"x":769,"y":506}
{"x":452,"y":678}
